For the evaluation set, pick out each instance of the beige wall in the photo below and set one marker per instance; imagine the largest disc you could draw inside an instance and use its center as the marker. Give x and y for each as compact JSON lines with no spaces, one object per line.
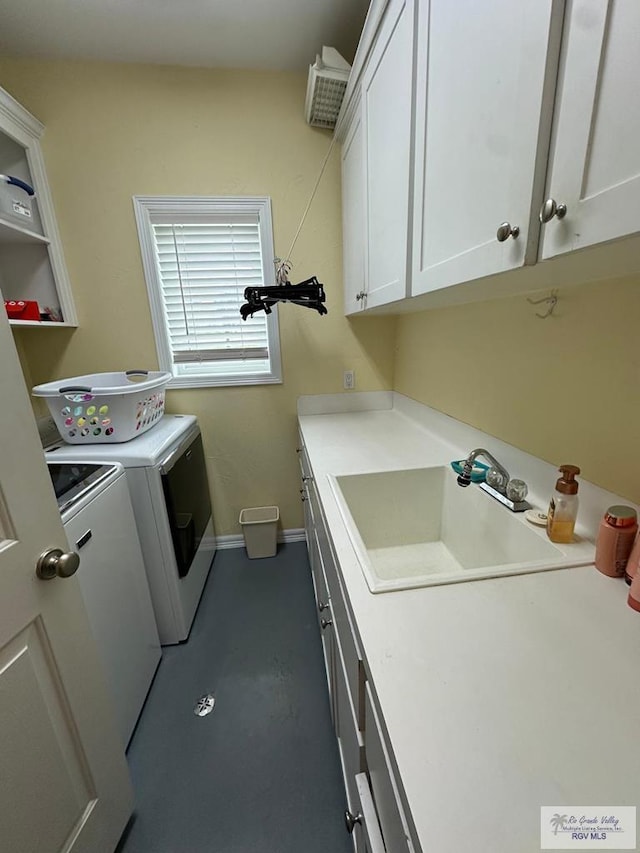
{"x":113,"y":131}
{"x":565,"y":389}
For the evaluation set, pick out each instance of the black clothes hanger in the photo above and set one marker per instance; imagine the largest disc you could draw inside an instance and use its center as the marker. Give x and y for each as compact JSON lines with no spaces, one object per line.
{"x":308,"y":293}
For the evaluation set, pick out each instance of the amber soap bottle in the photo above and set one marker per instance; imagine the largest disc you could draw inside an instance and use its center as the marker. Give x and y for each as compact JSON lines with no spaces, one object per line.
{"x":563,"y":507}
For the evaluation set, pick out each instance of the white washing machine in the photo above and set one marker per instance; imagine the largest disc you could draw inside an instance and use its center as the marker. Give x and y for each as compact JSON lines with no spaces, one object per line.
{"x":98,"y":519}
{"x":167,"y":479}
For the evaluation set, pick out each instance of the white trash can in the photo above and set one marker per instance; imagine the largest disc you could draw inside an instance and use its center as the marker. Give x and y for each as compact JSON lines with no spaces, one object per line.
{"x":260,"y":530}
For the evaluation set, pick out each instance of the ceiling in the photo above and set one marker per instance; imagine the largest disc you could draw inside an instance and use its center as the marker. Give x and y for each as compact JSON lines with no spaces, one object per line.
{"x":269,"y":34}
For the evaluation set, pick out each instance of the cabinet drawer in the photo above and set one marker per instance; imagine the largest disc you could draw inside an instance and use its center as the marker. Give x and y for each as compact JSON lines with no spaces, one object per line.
{"x":386,"y":797}
{"x":368,"y":827}
{"x":350,"y":739}
{"x":341,"y":618}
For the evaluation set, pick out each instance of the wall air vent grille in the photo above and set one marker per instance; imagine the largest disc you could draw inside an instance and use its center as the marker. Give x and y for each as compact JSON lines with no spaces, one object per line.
{"x":326,"y":86}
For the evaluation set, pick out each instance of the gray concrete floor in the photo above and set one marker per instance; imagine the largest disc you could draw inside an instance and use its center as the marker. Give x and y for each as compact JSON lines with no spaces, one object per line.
{"x":261,"y":772}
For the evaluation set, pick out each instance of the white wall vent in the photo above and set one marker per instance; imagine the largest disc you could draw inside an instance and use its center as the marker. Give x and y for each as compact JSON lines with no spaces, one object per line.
{"x":327,"y":83}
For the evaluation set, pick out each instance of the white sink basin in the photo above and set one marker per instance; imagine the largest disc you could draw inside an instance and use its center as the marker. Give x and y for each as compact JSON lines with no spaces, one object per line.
{"x":418,"y":528}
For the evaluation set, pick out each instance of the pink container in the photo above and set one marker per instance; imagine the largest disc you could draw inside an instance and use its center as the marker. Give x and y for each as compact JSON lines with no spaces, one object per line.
{"x":615,"y":540}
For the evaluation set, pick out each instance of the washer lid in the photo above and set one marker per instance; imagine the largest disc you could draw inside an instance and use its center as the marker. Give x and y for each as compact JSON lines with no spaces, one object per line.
{"x":73,"y":480}
{"x":143,"y":451}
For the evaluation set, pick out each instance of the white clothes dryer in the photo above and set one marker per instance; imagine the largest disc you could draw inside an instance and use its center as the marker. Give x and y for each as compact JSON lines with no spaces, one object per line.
{"x":167,"y":479}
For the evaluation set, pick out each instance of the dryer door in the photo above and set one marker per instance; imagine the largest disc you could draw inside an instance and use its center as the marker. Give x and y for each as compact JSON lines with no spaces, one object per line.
{"x":186,"y":493}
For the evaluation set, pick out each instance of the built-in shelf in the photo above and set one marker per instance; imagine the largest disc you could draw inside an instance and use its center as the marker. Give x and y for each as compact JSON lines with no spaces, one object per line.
{"x":48,"y":323}
{"x":11,"y":232}
{"x":32,"y":265}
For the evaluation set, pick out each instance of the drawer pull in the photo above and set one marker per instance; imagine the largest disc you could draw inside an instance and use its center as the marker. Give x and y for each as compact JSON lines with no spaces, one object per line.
{"x":351,"y":820}
{"x":322,"y":605}
{"x":550,"y":209}
{"x":324,"y":623}
{"x":507,"y":230}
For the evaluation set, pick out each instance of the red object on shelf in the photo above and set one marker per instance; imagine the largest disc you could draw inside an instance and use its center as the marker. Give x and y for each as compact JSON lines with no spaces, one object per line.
{"x":22,"y":309}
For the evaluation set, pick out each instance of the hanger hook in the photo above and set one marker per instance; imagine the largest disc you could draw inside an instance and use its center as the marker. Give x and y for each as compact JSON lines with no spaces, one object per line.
{"x":551,"y":301}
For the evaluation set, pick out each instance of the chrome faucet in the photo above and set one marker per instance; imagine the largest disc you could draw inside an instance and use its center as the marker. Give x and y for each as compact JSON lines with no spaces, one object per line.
{"x":510,"y":493}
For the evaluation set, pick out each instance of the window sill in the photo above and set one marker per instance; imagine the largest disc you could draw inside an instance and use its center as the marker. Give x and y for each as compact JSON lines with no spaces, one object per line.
{"x":179,"y":382}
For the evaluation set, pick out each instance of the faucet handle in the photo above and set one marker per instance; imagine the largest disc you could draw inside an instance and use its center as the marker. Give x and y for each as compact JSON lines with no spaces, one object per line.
{"x":517,"y":490}
{"x":496,"y":480}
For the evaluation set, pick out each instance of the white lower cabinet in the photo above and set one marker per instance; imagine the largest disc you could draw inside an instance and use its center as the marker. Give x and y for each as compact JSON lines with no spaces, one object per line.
{"x":350,"y":741}
{"x":374,"y":812}
{"x":384,"y":788}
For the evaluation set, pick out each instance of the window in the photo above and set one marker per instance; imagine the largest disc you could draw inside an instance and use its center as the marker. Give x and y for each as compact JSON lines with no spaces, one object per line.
{"x":199,"y":254}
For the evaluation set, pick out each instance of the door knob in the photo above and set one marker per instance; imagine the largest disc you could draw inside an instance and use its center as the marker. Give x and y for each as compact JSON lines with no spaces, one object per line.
{"x":324,"y":623}
{"x":351,"y":820}
{"x":55,"y":563}
{"x":507,"y":230}
{"x":550,"y":209}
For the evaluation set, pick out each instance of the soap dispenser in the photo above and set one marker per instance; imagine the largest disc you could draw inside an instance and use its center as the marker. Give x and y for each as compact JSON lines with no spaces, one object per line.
{"x":563,"y":507}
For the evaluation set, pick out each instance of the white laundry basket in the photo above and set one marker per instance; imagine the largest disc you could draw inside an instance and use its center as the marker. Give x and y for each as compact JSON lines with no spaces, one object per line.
{"x":260,"y":530}
{"x":105,"y":408}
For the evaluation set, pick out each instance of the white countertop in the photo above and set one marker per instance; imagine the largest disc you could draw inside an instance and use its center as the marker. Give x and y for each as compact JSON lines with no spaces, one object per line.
{"x":499,"y":696}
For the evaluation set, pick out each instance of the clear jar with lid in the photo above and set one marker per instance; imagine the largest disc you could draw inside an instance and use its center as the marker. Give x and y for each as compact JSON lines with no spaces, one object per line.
{"x":616,"y":535}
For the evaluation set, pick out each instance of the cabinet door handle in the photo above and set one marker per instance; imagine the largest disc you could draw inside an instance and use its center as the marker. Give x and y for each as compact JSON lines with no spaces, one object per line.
{"x":361,"y":295}
{"x":306,"y":479}
{"x":325,"y":623}
{"x":506,"y":230}
{"x":304,"y":498}
{"x":322,"y":605}
{"x":351,"y":820}
{"x":550,"y":209}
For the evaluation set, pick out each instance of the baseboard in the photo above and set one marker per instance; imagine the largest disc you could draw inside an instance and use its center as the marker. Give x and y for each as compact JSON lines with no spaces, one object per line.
{"x":236,"y":540}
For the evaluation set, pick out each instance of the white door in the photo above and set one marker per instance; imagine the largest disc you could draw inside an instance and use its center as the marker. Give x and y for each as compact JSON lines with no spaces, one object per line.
{"x":484,"y":99}
{"x":353,"y":219}
{"x":595,"y":167}
{"x":386,"y":103}
{"x":64,"y":781}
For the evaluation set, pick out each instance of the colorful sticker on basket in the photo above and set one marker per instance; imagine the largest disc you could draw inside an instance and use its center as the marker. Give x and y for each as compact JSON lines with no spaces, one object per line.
{"x":85,"y":431}
{"x":109,"y":431}
{"x":97,"y":431}
{"x":66,"y":411}
{"x":103,"y":410}
{"x":73,"y":433}
{"x":94,"y":421}
{"x":106,"y":421}
{"x":68,"y":421}
{"x":91,"y":410}
{"x":79,"y":398}
{"x":81,"y":421}
{"x":78,"y":411}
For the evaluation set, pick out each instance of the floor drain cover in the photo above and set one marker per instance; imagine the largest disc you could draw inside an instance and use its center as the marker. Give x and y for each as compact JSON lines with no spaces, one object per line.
{"x":204,"y":705}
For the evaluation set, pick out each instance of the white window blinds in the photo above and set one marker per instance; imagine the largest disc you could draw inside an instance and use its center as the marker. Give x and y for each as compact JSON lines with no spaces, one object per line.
{"x":204,"y":267}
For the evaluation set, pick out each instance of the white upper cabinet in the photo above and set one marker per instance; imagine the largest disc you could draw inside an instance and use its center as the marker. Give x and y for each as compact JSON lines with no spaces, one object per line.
{"x":386,"y":125}
{"x":353,"y":219}
{"x":485,"y":80}
{"x":32,"y":266}
{"x":595,"y":165}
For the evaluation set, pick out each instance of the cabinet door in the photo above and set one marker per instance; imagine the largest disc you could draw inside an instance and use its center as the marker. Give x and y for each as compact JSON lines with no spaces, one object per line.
{"x":595,"y":167}
{"x":383,"y":786}
{"x":484,"y":99}
{"x":368,"y":822}
{"x":353,"y":220}
{"x":350,"y":741}
{"x":386,"y":108}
